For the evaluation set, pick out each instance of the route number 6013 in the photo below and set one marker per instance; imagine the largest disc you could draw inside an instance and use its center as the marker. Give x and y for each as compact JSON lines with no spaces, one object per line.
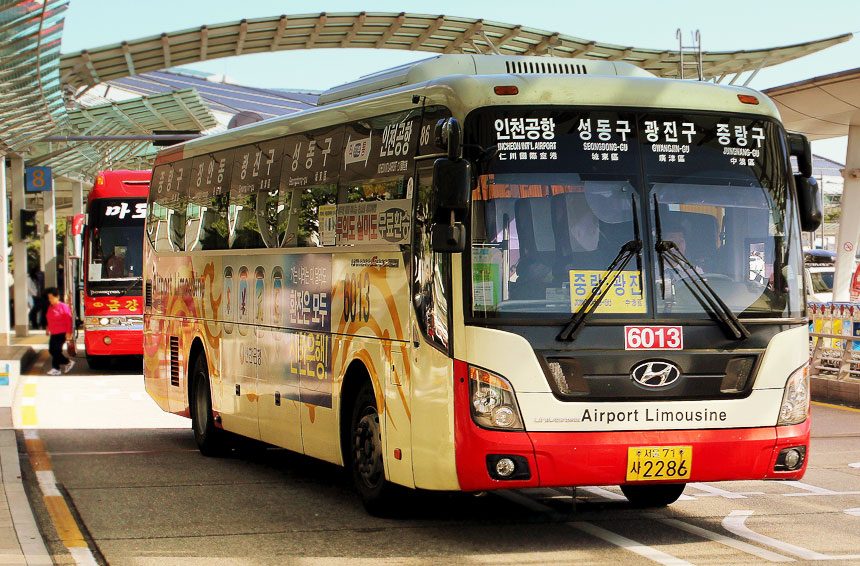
{"x":653,"y":338}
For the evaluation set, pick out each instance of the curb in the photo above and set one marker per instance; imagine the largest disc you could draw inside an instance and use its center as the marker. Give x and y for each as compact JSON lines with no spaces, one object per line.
{"x":29,"y":537}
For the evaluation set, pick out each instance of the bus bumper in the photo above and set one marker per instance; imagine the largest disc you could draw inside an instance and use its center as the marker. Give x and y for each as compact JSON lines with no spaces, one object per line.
{"x":121,"y":342}
{"x":557,"y":459}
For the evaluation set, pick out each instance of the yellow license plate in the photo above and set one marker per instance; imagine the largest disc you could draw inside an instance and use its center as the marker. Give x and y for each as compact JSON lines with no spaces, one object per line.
{"x":647,"y":463}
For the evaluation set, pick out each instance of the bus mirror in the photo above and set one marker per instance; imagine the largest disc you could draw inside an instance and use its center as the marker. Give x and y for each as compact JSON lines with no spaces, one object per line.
{"x":809,"y":203}
{"x":452,"y":185}
{"x":799,"y":147}
{"x":447,"y":136}
{"x":448,"y":238}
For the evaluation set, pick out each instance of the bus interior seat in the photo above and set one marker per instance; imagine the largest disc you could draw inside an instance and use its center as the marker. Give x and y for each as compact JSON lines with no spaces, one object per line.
{"x":537,"y":248}
{"x":577,"y":233}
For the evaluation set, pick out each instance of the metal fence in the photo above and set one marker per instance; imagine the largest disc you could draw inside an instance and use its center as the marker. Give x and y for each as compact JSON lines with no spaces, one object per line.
{"x":834,"y":331}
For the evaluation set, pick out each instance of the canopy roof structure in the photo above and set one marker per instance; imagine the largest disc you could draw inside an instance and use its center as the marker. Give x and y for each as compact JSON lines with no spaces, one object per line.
{"x":178,"y":110}
{"x":31,"y":101}
{"x":821,"y":107}
{"x":405,"y":31}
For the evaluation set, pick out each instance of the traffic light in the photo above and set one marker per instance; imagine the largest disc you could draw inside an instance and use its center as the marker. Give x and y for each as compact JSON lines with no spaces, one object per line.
{"x":29,"y":230}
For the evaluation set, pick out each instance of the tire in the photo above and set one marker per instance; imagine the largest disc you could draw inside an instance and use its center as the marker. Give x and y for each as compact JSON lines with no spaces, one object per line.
{"x":211,"y":440}
{"x":98,"y":363}
{"x":366,"y":452}
{"x":657,"y":495}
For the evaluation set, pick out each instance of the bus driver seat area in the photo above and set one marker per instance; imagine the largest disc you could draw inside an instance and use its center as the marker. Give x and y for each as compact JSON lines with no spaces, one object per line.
{"x":537,"y":248}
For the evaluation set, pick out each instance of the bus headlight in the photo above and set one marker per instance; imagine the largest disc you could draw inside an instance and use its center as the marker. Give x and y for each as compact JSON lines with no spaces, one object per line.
{"x":493,"y":403}
{"x":795,"y":400}
{"x":104,"y":321}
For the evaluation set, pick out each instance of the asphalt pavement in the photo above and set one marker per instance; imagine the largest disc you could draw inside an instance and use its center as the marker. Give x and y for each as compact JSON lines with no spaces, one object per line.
{"x":140,"y":493}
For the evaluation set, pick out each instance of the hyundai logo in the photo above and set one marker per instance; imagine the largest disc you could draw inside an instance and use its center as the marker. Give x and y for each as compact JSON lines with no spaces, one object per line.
{"x":655,"y":374}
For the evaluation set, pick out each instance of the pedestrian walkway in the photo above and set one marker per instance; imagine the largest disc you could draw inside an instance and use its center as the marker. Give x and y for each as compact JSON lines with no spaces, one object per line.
{"x":20,"y":539}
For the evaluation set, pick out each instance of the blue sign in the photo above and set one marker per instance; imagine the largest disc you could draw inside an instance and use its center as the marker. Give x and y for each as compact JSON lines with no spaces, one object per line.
{"x":38,"y":179}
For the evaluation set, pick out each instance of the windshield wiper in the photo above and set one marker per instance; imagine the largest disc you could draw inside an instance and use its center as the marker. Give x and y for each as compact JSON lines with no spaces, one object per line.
{"x":698,"y":285}
{"x":634,"y":247}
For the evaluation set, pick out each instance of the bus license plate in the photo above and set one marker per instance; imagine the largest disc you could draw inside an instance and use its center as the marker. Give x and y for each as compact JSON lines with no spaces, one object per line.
{"x":653,"y":337}
{"x":647,"y":463}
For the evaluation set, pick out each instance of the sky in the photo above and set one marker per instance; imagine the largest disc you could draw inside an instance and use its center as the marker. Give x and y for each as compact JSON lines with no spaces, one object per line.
{"x":725,"y":25}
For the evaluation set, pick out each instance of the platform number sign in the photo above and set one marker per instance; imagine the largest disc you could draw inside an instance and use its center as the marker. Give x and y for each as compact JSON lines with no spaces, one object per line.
{"x":37,"y":179}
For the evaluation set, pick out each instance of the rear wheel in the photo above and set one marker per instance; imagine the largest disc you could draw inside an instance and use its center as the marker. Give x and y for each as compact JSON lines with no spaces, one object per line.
{"x":210,"y":439}
{"x":368,"y":471}
{"x":657,"y":495}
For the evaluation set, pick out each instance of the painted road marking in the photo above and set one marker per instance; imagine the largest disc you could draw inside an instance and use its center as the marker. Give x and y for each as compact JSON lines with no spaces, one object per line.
{"x":602,"y":493}
{"x":722,"y":539}
{"x":855,"y":512}
{"x":734,"y":522}
{"x":809,"y":490}
{"x":638,"y":548}
{"x":64,"y":523}
{"x":711,"y":491}
{"x":28,"y":402}
{"x":854,"y":465}
{"x":644,"y":551}
{"x":832,"y":406}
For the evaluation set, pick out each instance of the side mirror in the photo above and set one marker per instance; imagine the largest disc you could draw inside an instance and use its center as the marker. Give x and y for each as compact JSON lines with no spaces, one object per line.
{"x":447,"y":238}
{"x":447,"y":135}
{"x":452,"y":193}
{"x":809,"y":203}
{"x":799,"y":147}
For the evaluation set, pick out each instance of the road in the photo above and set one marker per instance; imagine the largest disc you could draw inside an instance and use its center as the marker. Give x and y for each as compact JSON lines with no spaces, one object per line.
{"x":141,"y":494}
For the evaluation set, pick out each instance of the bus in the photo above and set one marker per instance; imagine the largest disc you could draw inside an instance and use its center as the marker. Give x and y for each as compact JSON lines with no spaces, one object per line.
{"x":113,"y":266}
{"x":475,"y":273}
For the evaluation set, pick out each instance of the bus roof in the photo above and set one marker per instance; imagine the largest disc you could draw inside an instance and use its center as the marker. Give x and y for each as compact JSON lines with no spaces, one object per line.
{"x":120,"y":183}
{"x":466,"y":82}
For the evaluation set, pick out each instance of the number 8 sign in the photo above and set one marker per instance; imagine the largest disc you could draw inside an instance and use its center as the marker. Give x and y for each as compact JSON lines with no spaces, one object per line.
{"x":37,"y":179}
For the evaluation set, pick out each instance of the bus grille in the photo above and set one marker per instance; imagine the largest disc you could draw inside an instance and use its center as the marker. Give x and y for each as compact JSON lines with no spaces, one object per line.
{"x":548,"y":68}
{"x":174,"y":361}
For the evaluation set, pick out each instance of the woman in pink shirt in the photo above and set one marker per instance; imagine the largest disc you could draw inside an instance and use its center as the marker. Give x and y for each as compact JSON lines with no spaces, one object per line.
{"x":59,"y":329}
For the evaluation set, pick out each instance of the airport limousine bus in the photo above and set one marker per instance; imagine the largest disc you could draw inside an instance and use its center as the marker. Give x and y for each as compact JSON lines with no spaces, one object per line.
{"x":486,"y":272}
{"x":113,"y":266}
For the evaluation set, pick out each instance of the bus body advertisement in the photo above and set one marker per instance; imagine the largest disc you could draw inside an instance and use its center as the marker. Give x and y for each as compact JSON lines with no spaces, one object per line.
{"x":113,"y":265}
{"x":628,"y":307}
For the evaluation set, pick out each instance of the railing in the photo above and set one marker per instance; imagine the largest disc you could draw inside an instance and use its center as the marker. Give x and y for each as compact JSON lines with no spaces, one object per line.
{"x":834,"y":330}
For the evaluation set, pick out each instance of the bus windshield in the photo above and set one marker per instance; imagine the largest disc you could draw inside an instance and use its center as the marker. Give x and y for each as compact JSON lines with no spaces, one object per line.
{"x":557,"y":190}
{"x":115,"y":242}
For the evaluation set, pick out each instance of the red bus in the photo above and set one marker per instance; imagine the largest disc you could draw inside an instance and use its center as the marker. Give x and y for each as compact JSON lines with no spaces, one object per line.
{"x":113,"y":258}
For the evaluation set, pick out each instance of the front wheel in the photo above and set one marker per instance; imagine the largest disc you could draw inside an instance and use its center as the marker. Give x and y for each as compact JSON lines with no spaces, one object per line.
{"x":368,"y":471}
{"x":657,"y":495}
{"x":210,"y":439}
{"x":98,"y":362}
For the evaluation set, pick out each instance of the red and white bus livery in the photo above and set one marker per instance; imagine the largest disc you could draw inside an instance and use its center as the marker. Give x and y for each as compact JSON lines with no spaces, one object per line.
{"x":113,"y":266}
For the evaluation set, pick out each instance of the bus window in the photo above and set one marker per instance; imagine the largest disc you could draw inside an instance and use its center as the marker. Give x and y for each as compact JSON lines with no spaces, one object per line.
{"x":167,"y":213}
{"x":309,"y":187}
{"x":208,"y":195}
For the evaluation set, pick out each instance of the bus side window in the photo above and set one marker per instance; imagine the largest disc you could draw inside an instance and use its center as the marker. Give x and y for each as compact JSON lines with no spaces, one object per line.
{"x":167,"y":215}
{"x":208,"y":193}
{"x":242,"y":210}
{"x":309,"y":176}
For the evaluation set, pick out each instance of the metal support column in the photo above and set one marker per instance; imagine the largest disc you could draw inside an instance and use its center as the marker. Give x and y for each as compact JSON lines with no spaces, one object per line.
{"x":19,"y":248}
{"x":5,"y":279}
{"x":849,"y":222}
{"x":49,"y":239}
{"x":78,"y":198}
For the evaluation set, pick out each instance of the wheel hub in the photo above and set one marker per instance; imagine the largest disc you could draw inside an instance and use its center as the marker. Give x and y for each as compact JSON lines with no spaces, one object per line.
{"x":367,"y":445}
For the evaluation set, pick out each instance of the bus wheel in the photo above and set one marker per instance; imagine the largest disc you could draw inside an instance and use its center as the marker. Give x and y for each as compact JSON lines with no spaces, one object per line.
{"x":368,"y":472}
{"x":210,"y":440}
{"x":658,"y":495}
{"x":98,"y":362}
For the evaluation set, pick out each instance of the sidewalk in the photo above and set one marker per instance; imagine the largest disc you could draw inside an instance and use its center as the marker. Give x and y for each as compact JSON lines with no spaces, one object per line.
{"x":20,"y":539}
